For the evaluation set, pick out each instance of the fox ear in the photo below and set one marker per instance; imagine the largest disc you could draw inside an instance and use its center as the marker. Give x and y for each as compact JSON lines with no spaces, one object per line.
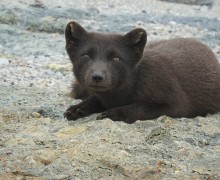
{"x":137,"y":39}
{"x":74,"y":32}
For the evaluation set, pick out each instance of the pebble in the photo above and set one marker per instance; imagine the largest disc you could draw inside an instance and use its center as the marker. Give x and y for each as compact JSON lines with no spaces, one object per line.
{"x":172,"y":23}
{"x":45,"y":156}
{"x":60,"y":67}
{"x":69,"y":131}
{"x":4,"y":61}
{"x":61,"y":177}
{"x":36,"y":115}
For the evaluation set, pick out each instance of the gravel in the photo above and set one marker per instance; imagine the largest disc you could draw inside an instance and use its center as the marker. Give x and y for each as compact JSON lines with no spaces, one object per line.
{"x":35,"y":79}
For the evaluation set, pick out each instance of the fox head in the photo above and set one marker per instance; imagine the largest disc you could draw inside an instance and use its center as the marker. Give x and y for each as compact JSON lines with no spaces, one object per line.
{"x":103,"y":62}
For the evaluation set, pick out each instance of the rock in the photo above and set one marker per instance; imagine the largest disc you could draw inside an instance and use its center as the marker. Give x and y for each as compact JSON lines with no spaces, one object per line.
{"x":172,"y":23}
{"x":69,"y":131}
{"x":45,"y":156}
{"x":36,"y":130}
{"x":59,"y":169}
{"x":61,"y":177}
{"x":216,"y":9}
{"x":30,"y":160}
{"x":4,"y":61}
{"x":197,"y":2}
{"x":8,"y":176}
{"x":22,"y":141}
{"x":36,"y":115}
{"x":60,"y":67}
{"x":147,"y":173}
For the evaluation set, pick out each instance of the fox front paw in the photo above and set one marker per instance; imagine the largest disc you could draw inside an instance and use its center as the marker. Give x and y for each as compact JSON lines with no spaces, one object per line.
{"x":74,"y":112}
{"x":116,"y":115}
{"x":113,"y":115}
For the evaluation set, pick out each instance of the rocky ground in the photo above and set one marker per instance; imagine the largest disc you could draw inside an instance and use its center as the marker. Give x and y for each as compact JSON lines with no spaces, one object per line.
{"x":35,"y":77}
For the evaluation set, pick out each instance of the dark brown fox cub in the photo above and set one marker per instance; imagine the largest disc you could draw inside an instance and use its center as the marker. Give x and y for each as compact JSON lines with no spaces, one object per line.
{"x":124,"y":80}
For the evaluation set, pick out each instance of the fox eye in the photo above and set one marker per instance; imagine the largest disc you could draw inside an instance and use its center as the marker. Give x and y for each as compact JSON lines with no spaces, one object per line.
{"x":85,"y":56}
{"x":116,"y":59}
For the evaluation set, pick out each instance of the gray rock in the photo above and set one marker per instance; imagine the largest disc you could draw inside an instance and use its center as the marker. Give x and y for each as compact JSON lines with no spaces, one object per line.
{"x":4,"y":61}
{"x":197,"y":2}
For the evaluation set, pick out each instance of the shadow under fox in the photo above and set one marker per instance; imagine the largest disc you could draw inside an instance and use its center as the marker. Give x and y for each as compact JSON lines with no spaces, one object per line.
{"x":124,"y":80}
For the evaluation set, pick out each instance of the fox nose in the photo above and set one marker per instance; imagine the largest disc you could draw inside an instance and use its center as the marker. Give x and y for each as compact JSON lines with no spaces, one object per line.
{"x":97,"y":77}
